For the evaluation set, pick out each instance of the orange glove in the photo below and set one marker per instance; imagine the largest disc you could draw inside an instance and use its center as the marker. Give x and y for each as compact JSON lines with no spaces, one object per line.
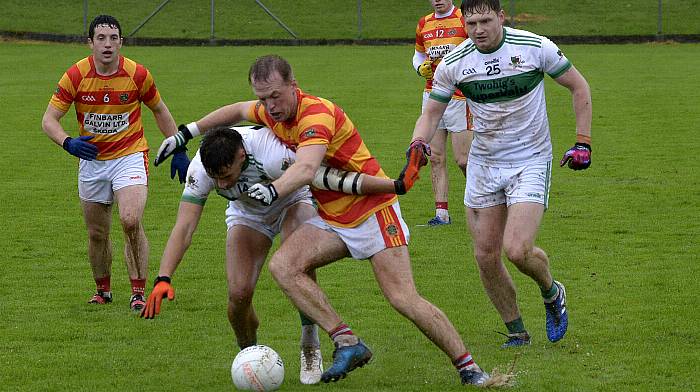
{"x":160,"y":290}
{"x":416,"y":157}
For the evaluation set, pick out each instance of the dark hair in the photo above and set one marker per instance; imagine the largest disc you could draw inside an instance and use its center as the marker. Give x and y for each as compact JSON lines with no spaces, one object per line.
{"x":480,"y":6}
{"x":265,"y":66}
{"x":219,"y":148}
{"x":104,"y":20}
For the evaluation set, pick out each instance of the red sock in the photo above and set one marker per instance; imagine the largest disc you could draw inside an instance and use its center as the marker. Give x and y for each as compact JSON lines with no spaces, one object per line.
{"x":138,"y":286}
{"x":341,"y":329}
{"x":464,"y":362}
{"x":103,"y":284}
{"x":440,"y":205}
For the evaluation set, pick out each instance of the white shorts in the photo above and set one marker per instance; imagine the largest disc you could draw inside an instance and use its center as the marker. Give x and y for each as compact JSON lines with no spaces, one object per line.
{"x":384,"y":229}
{"x":455,"y":117}
{"x":491,"y":186}
{"x":269,"y":223}
{"x":98,"y":180}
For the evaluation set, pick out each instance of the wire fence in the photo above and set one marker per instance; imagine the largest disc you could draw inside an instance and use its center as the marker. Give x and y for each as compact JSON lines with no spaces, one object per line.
{"x":220,"y":20}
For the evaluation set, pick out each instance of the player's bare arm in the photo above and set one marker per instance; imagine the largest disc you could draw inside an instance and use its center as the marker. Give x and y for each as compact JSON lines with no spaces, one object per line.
{"x":164,"y":119}
{"x":179,"y":241}
{"x":578,"y":157}
{"x":428,"y":121}
{"x":188,"y":216}
{"x":581,"y":95}
{"x":51,"y":124}
{"x":227,"y":115}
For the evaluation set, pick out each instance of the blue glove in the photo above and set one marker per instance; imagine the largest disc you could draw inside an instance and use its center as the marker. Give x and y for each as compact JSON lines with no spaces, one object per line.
{"x":179,"y":164}
{"x":80,"y":147}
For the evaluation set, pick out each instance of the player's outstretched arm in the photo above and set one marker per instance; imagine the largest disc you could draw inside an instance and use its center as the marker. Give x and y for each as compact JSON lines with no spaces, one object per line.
{"x":166,"y":124}
{"x":353,"y":182}
{"x":179,"y":241}
{"x":227,"y":115}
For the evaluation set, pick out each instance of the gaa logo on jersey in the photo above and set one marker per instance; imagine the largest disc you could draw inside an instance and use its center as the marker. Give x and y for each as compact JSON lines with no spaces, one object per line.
{"x":286,"y":162}
{"x":192,"y":182}
{"x":123,"y":97}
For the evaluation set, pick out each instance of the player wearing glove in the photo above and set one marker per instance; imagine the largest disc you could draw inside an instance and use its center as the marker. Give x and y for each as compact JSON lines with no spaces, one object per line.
{"x":108,"y":91}
{"x":437,"y":34}
{"x":416,"y":157}
{"x":425,"y":69}
{"x":509,"y":168}
{"x":238,"y":163}
{"x":80,"y":147}
{"x":578,"y":157}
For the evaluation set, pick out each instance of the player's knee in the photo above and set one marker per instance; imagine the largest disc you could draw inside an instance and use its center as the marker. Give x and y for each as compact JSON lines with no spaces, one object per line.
{"x":402,"y":300}
{"x":240,"y":297}
{"x":437,"y":158}
{"x":281,"y":270}
{"x":517,"y":253}
{"x":97,"y":233}
{"x":130,"y":223}
{"x":487,"y":256}
{"x":461,"y":162}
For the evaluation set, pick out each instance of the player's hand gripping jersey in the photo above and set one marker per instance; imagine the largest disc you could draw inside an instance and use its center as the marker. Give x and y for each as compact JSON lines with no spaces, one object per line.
{"x":108,"y":107}
{"x":437,"y":37}
{"x":505,"y":93}
{"x":320,"y":122}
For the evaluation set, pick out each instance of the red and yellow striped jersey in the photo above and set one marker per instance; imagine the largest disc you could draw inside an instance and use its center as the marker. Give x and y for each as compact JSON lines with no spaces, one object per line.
{"x":438,"y":36}
{"x":321,"y":122}
{"x":108,"y":107}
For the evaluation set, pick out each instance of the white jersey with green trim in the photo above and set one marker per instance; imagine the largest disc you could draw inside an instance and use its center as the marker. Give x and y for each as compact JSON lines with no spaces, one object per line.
{"x":505,"y":92}
{"x":267,"y":159}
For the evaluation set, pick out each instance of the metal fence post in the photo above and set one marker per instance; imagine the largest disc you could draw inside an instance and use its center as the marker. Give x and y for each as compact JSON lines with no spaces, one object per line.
{"x":659,"y":31}
{"x":85,"y":12}
{"x":359,"y":19}
{"x":512,"y":13}
{"x":212,"y":38}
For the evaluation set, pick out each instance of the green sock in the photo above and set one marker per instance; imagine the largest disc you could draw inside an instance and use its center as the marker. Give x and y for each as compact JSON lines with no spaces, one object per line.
{"x":516,"y":326}
{"x":551,"y":293}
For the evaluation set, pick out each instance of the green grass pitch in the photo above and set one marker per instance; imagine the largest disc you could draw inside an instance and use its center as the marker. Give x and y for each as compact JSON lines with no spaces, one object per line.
{"x":623,"y":235}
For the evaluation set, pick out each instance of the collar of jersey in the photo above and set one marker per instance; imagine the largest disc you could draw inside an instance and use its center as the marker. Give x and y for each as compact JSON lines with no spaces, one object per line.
{"x":497,"y":47}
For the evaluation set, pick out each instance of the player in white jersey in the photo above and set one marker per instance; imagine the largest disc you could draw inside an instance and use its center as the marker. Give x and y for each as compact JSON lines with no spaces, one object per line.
{"x":500,"y":71}
{"x":229,"y":162}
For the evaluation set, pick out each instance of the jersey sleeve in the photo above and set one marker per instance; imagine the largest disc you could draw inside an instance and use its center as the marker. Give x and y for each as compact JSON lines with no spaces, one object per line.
{"x":198,"y":184}
{"x":148,"y":92}
{"x":443,"y":84}
{"x":65,"y":93}
{"x":420,"y":45}
{"x":554,"y":63}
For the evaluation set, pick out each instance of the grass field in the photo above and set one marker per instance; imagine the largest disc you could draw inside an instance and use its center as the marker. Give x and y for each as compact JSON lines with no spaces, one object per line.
{"x":315,"y":19}
{"x":623,"y":236}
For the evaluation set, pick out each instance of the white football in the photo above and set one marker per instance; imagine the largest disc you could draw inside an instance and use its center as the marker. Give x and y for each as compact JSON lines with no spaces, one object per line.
{"x":257,"y":368}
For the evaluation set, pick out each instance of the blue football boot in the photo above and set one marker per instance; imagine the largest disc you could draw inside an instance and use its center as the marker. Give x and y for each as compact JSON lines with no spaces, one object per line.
{"x":345,"y":360}
{"x":437,"y":221}
{"x":557,"y":316}
{"x":516,"y":340}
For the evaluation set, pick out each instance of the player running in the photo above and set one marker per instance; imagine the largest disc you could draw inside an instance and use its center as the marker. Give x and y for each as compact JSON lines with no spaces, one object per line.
{"x":108,"y":90}
{"x":500,"y":71}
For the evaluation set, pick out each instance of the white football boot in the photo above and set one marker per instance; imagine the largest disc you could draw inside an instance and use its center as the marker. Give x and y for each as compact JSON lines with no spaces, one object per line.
{"x":311,"y":366}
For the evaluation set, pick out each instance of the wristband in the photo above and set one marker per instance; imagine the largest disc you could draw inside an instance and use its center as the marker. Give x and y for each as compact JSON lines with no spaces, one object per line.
{"x":165,"y":279}
{"x":193,"y":128}
{"x":581,"y":138}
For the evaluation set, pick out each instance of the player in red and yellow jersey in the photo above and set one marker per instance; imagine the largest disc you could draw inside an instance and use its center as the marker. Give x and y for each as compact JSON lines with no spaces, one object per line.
{"x":436,"y":35}
{"x":360,"y":226}
{"x":107,"y":90}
